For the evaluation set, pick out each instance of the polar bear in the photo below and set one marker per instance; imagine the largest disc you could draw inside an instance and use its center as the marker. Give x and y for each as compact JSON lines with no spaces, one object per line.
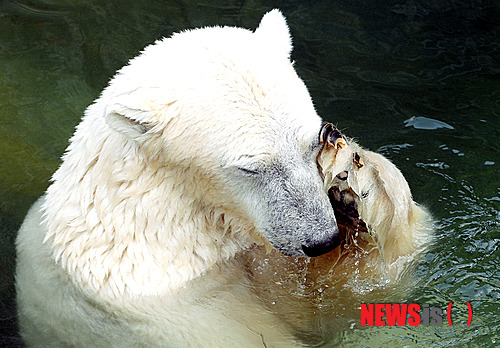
{"x":203,"y":145}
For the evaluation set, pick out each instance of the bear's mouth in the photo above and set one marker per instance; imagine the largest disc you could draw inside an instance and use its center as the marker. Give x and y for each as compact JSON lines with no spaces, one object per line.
{"x":345,"y":206}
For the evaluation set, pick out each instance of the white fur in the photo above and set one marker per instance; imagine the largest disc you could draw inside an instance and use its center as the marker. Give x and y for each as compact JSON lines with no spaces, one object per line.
{"x":134,"y":242}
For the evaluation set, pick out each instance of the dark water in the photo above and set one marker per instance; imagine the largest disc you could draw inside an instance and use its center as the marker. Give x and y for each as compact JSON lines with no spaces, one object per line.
{"x":418,"y":81}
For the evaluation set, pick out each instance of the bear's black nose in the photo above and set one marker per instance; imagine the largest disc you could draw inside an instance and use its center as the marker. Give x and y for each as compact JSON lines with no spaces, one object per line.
{"x":318,"y":248}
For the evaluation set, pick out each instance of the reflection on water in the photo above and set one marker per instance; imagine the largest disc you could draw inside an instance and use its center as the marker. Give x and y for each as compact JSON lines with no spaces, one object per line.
{"x":414,"y":80}
{"x":421,"y":122}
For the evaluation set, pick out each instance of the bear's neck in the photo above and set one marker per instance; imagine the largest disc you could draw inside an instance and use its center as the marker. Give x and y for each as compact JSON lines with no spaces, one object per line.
{"x":122,"y":226}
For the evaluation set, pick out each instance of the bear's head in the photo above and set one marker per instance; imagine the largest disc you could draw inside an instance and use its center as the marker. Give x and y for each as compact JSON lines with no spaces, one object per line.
{"x":225,"y":108}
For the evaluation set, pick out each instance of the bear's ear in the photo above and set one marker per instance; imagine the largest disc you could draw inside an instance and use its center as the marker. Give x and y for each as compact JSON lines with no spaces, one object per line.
{"x":131,"y":115}
{"x":125,"y":120}
{"x":273,"y":32}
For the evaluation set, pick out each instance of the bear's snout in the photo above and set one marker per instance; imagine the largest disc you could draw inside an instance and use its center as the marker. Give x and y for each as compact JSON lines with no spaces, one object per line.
{"x":322,"y":246}
{"x":298,"y":221}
